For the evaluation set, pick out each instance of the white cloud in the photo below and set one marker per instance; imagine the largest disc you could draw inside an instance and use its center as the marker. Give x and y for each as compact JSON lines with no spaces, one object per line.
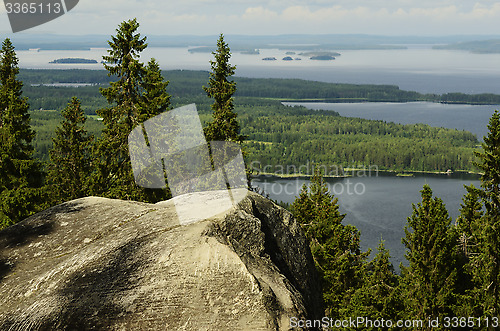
{"x":380,"y":20}
{"x":259,"y":13}
{"x":282,"y":16}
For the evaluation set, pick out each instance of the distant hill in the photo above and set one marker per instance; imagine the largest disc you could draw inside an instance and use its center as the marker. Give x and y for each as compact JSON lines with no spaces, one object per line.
{"x":479,"y":46}
{"x":245,"y":42}
{"x":310,"y":54}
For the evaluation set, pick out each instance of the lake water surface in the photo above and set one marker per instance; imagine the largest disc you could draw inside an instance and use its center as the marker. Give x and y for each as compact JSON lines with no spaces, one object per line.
{"x":378,"y":204}
{"x":417,"y":68}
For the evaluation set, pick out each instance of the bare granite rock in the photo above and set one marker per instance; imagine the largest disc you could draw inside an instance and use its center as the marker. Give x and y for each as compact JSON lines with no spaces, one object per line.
{"x":96,"y":263}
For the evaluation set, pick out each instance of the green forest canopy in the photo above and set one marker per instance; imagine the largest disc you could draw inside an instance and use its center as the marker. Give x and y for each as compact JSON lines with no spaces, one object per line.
{"x":185,"y":83}
{"x":277,"y":134}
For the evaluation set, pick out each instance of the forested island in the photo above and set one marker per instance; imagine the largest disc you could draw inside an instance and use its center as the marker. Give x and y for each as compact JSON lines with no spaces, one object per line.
{"x":73,"y":61}
{"x":321,"y":56}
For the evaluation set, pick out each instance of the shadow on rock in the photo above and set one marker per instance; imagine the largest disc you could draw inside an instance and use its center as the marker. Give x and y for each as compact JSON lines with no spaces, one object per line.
{"x":91,"y":295}
{"x":5,"y":268}
{"x":25,"y":231}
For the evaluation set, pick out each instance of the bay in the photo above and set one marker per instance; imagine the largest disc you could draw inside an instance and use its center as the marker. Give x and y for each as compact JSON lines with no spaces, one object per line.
{"x":378,"y":203}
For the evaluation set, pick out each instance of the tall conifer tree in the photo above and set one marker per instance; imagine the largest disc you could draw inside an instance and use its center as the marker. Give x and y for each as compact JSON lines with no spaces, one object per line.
{"x":138,"y":94}
{"x":224,"y":125}
{"x":155,"y":99}
{"x":469,"y":231}
{"x":489,"y":163}
{"x":485,"y":265}
{"x":21,"y":177}
{"x":429,"y":282}
{"x":71,"y":155}
{"x":378,"y":298}
{"x":335,"y":246}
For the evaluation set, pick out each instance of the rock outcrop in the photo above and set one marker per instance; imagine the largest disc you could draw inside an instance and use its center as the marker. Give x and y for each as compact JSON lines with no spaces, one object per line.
{"x":97,"y":263}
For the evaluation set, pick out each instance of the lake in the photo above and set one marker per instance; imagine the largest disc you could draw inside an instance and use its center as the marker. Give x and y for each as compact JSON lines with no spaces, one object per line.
{"x":418,"y":68}
{"x":378,"y":203}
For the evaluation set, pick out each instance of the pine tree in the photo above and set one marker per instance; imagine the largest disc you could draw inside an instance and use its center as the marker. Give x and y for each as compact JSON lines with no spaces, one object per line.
{"x":21,"y":177}
{"x":138,"y":94}
{"x":71,"y":155}
{"x":429,"y":282}
{"x":335,"y":246}
{"x":224,"y":125}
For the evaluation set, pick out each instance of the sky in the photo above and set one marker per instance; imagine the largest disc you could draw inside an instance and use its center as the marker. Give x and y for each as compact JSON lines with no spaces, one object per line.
{"x":257,"y":17}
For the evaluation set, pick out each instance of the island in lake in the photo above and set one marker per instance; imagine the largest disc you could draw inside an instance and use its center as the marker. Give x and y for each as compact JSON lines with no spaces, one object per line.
{"x":324,"y":56}
{"x":73,"y":61}
{"x":271,"y":58}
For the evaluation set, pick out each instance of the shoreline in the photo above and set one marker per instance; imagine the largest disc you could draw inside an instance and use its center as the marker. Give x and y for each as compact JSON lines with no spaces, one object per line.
{"x":365,"y":100}
{"x":348,"y":173}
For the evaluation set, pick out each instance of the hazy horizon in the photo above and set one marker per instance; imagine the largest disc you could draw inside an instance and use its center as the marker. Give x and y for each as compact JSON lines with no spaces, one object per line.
{"x":319,"y":41}
{"x":277,"y":17}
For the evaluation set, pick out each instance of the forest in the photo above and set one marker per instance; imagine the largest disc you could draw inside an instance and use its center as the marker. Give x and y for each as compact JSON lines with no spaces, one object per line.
{"x":277,"y":134}
{"x":453,"y":273}
{"x":187,"y":84}
{"x":283,"y":135}
{"x":325,"y":138}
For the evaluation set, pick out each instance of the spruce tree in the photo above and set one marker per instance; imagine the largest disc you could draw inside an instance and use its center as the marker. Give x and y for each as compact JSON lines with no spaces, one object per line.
{"x":224,"y":125}
{"x":489,"y":163}
{"x":71,"y":155}
{"x":486,"y":265}
{"x":21,"y":176}
{"x":471,"y":212}
{"x":155,"y":99}
{"x":429,"y":282}
{"x":378,"y":298}
{"x":138,"y":94}
{"x":335,"y":246}
{"x":468,"y":227}
{"x":15,"y":118}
